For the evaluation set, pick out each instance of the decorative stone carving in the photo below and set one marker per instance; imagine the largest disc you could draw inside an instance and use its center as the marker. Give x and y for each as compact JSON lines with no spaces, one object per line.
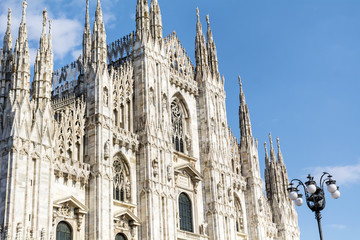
{"x":203,"y":228}
{"x":29,"y":234}
{"x":107,"y":149}
{"x":19,"y":231}
{"x":128,"y":189}
{"x":42,"y":234}
{"x":230,"y":194}
{"x":220,"y":190}
{"x":169,"y":172}
{"x":155,"y":166}
{"x":65,"y":211}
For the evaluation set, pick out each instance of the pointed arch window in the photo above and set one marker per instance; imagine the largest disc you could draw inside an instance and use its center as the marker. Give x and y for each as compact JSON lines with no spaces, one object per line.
{"x":239,"y":216}
{"x":177,"y":120}
{"x":121,"y":180}
{"x":63,"y":231}
{"x":185,"y":213}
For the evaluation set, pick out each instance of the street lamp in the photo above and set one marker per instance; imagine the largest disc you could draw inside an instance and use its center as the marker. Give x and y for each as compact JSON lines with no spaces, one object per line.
{"x":314,"y":194}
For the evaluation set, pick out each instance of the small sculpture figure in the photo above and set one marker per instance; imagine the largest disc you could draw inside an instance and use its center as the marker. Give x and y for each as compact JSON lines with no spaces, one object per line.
{"x":107,"y":149}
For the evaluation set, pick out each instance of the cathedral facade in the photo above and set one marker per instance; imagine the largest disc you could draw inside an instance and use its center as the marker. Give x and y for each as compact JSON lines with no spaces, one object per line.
{"x":131,"y":141}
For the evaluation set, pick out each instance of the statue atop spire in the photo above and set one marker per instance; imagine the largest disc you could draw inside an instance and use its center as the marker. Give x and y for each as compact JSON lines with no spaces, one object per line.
{"x":24,"y":4}
{"x":86,"y":51}
{"x":7,"y":44}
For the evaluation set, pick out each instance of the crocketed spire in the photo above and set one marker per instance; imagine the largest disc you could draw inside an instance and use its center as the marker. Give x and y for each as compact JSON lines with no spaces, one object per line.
{"x":87,"y":39}
{"x":43,"y":68}
{"x":200,"y":50}
{"x":99,"y":47}
{"x":244,"y":115}
{"x":21,"y":76}
{"x":212,"y":53}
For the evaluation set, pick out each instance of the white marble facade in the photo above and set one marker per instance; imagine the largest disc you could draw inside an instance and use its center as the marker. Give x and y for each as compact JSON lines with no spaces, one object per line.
{"x":130,"y":141}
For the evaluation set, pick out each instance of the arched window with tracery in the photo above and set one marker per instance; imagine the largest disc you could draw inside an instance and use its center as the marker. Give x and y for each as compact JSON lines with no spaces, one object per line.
{"x":177,"y":120}
{"x":121,"y":180}
{"x":63,"y":231}
{"x":120,"y":236}
{"x":239,"y":216}
{"x":185,"y":213}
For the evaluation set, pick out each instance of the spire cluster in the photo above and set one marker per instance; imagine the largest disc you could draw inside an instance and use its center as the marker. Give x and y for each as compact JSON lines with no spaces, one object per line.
{"x":41,"y":86}
{"x":21,"y":76}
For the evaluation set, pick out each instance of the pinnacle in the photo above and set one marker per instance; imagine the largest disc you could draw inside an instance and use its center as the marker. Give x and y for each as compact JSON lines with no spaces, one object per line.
{"x":24,"y":4}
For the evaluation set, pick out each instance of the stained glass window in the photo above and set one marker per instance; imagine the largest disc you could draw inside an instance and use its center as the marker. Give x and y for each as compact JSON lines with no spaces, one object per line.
{"x":185,"y":213}
{"x":63,"y":231}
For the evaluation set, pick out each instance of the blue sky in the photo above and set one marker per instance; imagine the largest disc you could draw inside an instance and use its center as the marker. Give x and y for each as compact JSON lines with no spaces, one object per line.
{"x":299,"y":61}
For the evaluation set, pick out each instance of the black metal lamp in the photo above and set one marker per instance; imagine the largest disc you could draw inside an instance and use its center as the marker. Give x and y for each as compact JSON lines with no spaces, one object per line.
{"x":315,"y":195}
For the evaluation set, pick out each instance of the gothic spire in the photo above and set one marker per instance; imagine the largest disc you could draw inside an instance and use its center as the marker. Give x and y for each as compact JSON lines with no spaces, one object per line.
{"x":280,"y":156}
{"x":244,"y":115}
{"x":212,"y":53}
{"x":272,"y":151}
{"x":267,"y":159}
{"x":155,"y":20}
{"x":200,"y":49}
{"x":43,"y":67}
{"x":21,"y":78}
{"x":99,"y":47}
{"x":7,"y":46}
{"x":142,"y":19}
{"x":87,"y":38}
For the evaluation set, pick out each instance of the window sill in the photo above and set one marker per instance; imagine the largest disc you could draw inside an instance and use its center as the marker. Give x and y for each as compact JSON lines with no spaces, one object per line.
{"x":185,"y":156}
{"x":124,"y":204}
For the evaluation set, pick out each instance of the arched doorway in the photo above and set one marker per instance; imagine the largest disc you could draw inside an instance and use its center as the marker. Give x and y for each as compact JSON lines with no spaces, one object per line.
{"x":63,"y":231}
{"x":120,"y":236}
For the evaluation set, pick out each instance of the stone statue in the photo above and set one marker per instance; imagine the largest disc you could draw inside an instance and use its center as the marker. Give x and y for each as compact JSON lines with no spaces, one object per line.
{"x":128,"y":189}
{"x":155,"y":165}
{"x":220,"y":190}
{"x":107,"y":149}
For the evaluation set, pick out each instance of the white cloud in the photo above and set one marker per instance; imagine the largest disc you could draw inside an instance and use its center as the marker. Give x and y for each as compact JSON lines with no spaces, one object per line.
{"x":344,"y":175}
{"x":66,"y":36}
{"x":338,"y":226}
{"x":66,"y":32}
{"x":76,"y":53}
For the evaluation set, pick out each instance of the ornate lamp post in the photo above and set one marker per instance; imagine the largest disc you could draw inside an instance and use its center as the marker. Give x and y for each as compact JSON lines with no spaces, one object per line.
{"x":314,"y":194}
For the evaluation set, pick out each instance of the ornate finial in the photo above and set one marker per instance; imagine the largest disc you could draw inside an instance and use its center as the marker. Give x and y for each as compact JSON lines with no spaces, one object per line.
{"x":24,"y":5}
{"x":9,"y":17}
{"x":265,"y":147}
{"x":44,"y":17}
{"x":240,"y":83}
{"x":208,"y":20}
{"x":278,"y":142}
{"x":50,"y":22}
{"x":270,"y":138}
{"x":198,"y":12}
